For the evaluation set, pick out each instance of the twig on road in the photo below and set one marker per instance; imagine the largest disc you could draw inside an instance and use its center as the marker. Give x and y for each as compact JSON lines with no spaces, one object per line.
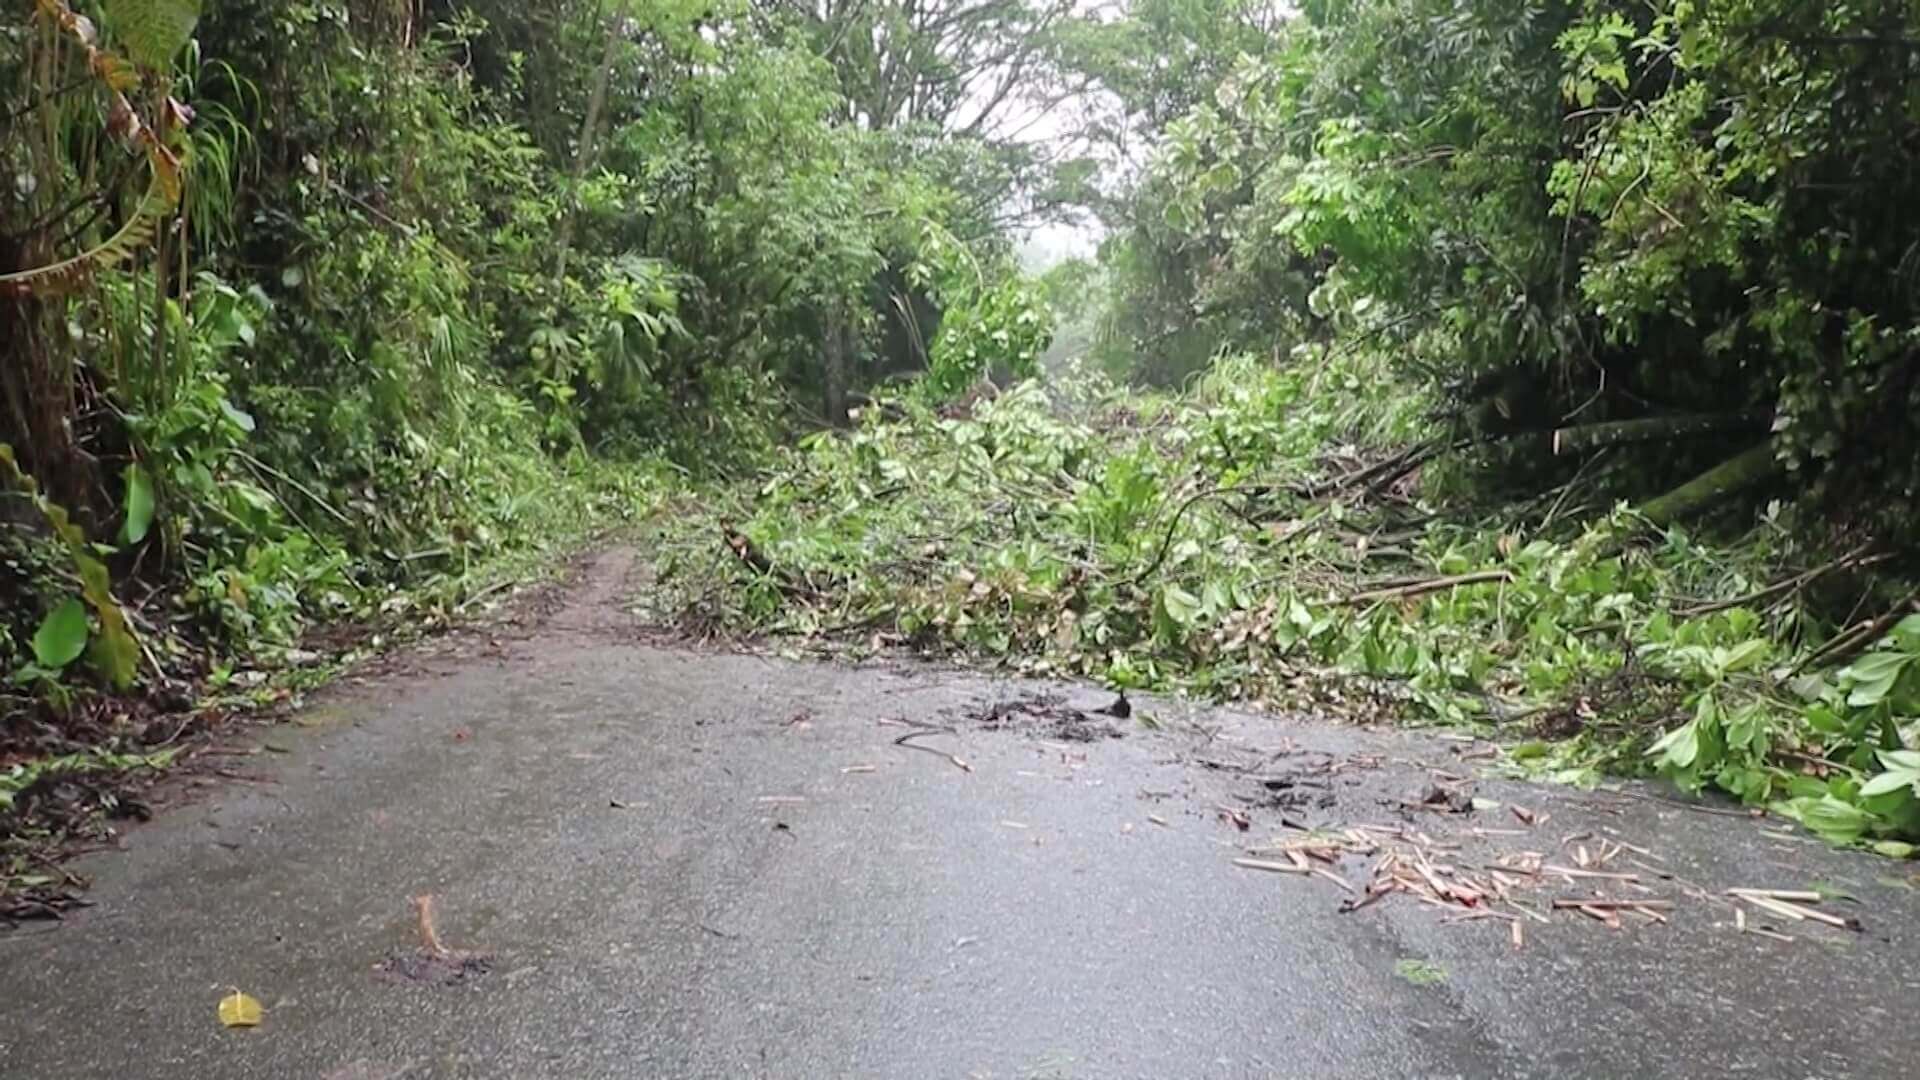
{"x":907,"y":741}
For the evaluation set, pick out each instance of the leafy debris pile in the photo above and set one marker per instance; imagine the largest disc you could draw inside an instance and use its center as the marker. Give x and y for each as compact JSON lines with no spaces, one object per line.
{"x":1586,"y":877}
{"x":1260,"y":538}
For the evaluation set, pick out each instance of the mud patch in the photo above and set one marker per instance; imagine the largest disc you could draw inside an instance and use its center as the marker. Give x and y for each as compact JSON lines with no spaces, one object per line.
{"x":1290,"y":792}
{"x":422,"y":967}
{"x":431,"y":963}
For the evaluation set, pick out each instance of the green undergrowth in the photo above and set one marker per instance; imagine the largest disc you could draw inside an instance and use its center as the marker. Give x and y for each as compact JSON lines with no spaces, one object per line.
{"x":1254,"y":539}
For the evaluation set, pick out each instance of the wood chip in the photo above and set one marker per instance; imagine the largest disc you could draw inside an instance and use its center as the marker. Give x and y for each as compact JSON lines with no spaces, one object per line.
{"x":860,"y":769}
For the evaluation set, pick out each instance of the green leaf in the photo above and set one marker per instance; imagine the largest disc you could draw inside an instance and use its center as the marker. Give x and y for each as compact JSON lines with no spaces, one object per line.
{"x":239,"y":417}
{"x":1180,"y":605}
{"x":1529,"y":751}
{"x":62,"y":637}
{"x":1873,"y":678}
{"x":1901,"y":759}
{"x":1889,"y":782}
{"x":153,"y":31}
{"x":1678,"y":748}
{"x":1420,"y":972}
{"x":139,"y":506}
{"x":1833,"y":820}
{"x":1744,"y":655}
{"x":1894,"y":849}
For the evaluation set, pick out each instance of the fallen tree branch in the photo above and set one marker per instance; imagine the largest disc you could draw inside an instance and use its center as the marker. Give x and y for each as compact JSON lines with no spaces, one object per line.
{"x":1432,"y":585}
{"x":1854,"y":559}
{"x":1381,"y":472}
{"x":1585,"y":437}
{"x":1850,"y":643}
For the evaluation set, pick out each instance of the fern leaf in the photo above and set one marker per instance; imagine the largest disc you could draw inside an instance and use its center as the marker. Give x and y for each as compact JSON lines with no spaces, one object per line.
{"x":54,"y":279}
{"x":153,"y":31}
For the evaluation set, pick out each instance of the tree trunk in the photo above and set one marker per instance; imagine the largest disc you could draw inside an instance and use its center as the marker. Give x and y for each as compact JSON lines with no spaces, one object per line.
{"x":1588,"y":437}
{"x":583,"y":154}
{"x":835,"y":349}
{"x":1716,"y":485}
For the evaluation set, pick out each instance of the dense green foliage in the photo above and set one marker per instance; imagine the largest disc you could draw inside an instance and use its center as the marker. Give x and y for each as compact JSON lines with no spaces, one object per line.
{"x":393,"y":286}
{"x":1554,"y":214}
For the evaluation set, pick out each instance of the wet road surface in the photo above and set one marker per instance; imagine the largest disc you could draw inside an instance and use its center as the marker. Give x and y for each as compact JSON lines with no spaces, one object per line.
{"x":687,"y":864}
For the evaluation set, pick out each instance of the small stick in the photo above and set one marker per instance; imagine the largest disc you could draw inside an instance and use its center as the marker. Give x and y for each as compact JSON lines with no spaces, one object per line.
{"x":1784,"y":910}
{"x":1335,"y":878}
{"x":1801,"y":914}
{"x":1567,"y":871}
{"x":1561,"y":903}
{"x":1529,"y":912}
{"x":1740,"y":924}
{"x":904,"y":740}
{"x":1802,"y":896}
{"x":1274,"y":867}
{"x":1373,"y":896}
{"x":429,"y":937}
{"x":1604,"y":915}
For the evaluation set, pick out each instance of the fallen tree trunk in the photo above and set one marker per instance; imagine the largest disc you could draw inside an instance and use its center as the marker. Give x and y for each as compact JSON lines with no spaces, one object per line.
{"x":1588,"y":437}
{"x":1716,"y":485}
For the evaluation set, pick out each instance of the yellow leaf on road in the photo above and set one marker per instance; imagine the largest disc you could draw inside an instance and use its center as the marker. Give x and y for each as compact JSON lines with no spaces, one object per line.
{"x":239,"y":1010}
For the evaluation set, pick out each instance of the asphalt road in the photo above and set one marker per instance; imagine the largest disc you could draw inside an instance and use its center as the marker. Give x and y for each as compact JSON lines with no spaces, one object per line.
{"x":686,"y":864}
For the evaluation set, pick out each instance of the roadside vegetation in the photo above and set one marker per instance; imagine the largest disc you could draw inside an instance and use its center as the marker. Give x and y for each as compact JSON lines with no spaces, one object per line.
{"x":319,"y":319}
{"x":1544,"y":369}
